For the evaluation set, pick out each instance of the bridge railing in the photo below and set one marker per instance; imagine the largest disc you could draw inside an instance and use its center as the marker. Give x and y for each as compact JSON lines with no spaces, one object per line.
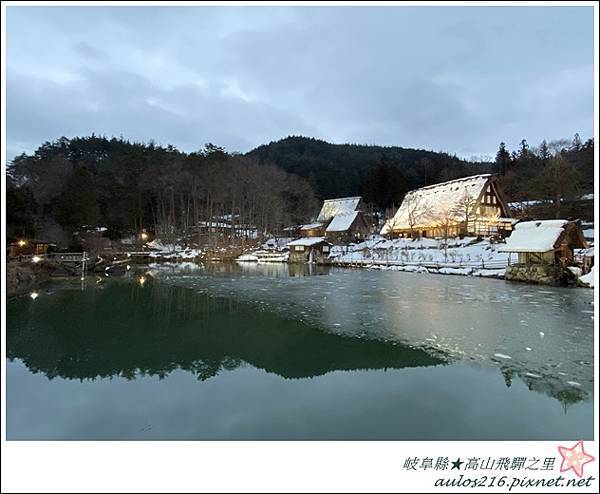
{"x":55,"y":256}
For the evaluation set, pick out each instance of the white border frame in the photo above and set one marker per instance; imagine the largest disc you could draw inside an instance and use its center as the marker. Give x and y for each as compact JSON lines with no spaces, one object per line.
{"x":249,"y":466}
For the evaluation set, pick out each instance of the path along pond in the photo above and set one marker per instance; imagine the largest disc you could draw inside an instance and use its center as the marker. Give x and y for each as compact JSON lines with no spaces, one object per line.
{"x":277,"y":351}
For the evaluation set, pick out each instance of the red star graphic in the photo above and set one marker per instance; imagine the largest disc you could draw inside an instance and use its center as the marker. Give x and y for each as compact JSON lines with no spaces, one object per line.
{"x":574,"y":458}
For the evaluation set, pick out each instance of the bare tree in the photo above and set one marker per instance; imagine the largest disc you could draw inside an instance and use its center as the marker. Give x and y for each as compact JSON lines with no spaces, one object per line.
{"x":416,"y":211}
{"x":465,"y":209}
{"x":444,"y":219}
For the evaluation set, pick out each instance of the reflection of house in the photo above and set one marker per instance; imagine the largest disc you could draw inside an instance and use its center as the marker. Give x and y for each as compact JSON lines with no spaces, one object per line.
{"x":309,"y":249}
{"x":340,"y":220}
{"x":471,"y":205}
{"x":545,"y":242}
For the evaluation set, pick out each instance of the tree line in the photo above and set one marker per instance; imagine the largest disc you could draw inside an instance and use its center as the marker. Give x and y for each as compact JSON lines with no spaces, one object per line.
{"x":554,"y":172}
{"x":129,"y":186}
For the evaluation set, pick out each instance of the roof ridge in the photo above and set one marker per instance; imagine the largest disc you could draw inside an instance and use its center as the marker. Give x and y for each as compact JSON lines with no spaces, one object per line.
{"x":342,"y":198}
{"x":470,"y":177}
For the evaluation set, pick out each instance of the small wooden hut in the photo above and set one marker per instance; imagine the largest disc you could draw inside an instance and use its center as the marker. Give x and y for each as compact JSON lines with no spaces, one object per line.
{"x":309,"y":249}
{"x":545,"y":242}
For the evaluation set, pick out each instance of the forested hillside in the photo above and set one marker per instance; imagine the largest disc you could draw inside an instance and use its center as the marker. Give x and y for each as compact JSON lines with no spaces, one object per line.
{"x":381,"y":174}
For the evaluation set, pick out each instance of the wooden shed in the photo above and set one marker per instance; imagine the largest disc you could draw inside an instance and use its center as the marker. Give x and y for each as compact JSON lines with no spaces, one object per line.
{"x":309,"y":249}
{"x":545,"y":242}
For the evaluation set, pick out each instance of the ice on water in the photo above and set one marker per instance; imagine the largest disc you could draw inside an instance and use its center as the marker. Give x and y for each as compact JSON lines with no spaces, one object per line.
{"x":486,"y":321}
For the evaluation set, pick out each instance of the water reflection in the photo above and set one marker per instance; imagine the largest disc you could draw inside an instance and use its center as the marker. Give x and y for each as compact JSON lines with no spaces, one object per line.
{"x":129,"y":329}
{"x":543,"y":335}
{"x":236,"y":354}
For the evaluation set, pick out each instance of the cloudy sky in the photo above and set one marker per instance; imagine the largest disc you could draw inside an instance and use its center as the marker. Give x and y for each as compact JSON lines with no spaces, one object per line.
{"x":442,"y":78}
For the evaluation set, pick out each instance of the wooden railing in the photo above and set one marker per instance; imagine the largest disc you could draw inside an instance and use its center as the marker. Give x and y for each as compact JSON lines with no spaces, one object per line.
{"x":54,"y":256}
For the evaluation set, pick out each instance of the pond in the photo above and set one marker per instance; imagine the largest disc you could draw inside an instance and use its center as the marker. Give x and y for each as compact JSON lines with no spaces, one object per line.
{"x":259,"y":351}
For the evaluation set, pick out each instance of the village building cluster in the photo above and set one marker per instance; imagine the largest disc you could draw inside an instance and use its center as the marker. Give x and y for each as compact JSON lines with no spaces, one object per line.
{"x":472,"y":206}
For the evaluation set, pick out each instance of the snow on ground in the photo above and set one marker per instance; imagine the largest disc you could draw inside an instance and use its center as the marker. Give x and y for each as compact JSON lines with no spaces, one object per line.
{"x":277,"y":243}
{"x":588,"y":279}
{"x":168,"y":251}
{"x":156,"y":244}
{"x":461,"y":253}
{"x":264,"y":256}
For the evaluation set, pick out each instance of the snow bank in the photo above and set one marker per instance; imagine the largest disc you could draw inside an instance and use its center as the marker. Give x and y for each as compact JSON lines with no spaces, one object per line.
{"x":171,"y":251}
{"x":275,"y":243}
{"x":460,"y":253}
{"x":159,"y":246}
{"x":588,"y":279}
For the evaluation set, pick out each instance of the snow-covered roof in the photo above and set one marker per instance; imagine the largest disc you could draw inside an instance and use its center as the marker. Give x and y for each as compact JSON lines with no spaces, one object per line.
{"x":308,"y":241}
{"x":311,"y":226}
{"x":423,"y":206}
{"x":333,"y":207}
{"x":509,"y":220}
{"x":534,"y":236}
{"x":342,"y":222}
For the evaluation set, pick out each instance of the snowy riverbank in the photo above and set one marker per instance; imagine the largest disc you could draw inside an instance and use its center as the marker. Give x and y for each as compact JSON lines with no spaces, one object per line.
{"x":468,"y":256}
{"x":459,"y":256}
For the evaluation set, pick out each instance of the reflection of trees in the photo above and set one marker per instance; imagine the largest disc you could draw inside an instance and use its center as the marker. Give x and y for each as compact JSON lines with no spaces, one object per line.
{"x":551,"y":386}
{"x":128,"y":330}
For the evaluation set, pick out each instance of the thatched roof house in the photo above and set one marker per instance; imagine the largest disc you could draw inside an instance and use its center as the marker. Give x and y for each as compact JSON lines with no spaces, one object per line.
{"x":340,"y":220}
{"x":469,"y":205}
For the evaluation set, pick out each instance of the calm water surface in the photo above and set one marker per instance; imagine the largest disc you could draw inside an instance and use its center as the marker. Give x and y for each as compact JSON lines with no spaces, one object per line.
{"x":295,"y":352}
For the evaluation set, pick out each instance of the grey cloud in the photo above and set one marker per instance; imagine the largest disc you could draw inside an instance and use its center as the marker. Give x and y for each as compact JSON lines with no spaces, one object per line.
{"x":454,"y":78}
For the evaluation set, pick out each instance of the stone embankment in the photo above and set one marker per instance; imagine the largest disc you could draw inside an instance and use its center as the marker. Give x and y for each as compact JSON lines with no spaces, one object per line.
{"x":543,"y":274}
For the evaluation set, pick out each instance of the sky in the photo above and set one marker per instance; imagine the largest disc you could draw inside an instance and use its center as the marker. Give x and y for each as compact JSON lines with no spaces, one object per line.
{"x":458,"y":79}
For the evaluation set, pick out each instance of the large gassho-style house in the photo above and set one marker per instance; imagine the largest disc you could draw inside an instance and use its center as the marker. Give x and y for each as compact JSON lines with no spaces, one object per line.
{"x":465,"y":206}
